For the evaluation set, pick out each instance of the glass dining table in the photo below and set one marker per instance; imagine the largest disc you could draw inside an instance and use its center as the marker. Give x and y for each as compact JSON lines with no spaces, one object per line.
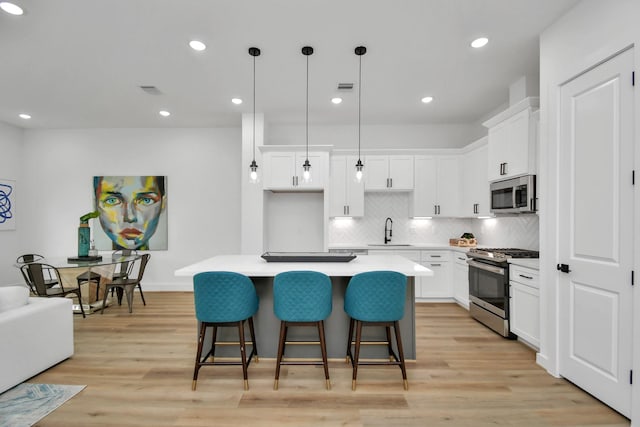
{"x":92,"y":292}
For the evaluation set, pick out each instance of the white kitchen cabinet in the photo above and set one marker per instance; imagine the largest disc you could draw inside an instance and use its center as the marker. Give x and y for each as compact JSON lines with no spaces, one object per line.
{"x":475,"y":183}
{"x":283,"y":170}
{"x":436,"y":186}
{"x":347,"y":194}
{"x":461,"y":279}
{"x":438,"y":286}
{"x":513,"y":141}
{"x":384,"y":173}
{"x":525,"y":304}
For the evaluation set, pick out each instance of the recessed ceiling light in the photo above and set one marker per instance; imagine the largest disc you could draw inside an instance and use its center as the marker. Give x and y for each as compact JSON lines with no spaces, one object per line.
{"x":24,"y":116}
{"x":427,"y":99}
{"x":197,"y":45}
{"x":164,"y":113}
{"x":11,"y":8}
{"x":236,"y":101}
{"x":336,"y":100}
{"x":479,"y":42}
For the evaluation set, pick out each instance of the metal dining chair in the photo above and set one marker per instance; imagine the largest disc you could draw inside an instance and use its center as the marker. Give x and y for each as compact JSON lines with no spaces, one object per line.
{"x":128,"y":285}
{"x":27,"y":258}
{"x":36,"y":272}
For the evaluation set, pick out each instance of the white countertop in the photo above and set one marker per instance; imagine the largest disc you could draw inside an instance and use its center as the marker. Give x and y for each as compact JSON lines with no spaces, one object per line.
{"x":255,"y":266}
{"x":533,"y":263}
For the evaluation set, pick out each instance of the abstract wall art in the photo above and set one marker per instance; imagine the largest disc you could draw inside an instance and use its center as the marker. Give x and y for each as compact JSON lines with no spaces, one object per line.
{"x":132,"y":212}
{"x":7,"y":204}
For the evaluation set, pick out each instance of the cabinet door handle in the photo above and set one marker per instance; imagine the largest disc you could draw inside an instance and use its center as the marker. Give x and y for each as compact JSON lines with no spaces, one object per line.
{"x":391,"y":182}
{"x":435,"y":209}
{"x":436,"y":265}
{"x":435,"y":256}
{"x":526,"y":277}
{"x":347,"y":209}
{"x":506,"y":171}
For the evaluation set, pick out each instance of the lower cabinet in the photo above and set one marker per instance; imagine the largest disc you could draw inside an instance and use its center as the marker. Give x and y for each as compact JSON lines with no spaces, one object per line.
{"x":461,"y":279}
{"x":438,"y":286}
{"x":525,"y":304}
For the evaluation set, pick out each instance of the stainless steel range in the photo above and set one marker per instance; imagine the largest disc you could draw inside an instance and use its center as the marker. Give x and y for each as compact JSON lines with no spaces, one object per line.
{"x":489,"y":285}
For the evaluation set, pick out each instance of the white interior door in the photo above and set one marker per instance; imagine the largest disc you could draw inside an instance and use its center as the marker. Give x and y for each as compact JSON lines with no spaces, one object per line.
{"x":595,"y":235}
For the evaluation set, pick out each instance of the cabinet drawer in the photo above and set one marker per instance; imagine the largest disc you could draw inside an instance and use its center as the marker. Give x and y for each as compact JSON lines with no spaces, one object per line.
{"x":526,"y":276}
{"x":435,"y":256}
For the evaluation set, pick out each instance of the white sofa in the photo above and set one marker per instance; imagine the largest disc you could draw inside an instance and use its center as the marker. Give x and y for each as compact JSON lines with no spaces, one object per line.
{"x":35,"y":334}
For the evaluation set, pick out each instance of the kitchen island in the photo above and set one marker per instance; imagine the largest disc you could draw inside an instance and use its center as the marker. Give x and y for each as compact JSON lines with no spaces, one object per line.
{"x":336,"y":326}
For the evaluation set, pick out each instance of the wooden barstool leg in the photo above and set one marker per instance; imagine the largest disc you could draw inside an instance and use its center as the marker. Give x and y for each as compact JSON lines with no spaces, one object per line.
{"x":389,"y":346}
{"x":214,"y":337}
{"x":349,"y":341}
{"x":396,"y":330}
{"x":357,"y":355}
{"x":203,"y":327}
{"x":243,"y":354}
{"x":283,"y":338}
{"x":254,"y":348}
{"x":323,"y":349}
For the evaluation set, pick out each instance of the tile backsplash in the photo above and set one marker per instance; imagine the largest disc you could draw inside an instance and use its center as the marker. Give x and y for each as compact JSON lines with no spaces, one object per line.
{"x":519,"y":231}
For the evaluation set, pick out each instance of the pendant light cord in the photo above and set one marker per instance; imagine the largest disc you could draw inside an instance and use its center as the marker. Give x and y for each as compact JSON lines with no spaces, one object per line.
{"x":307,"y":112}
{"x":359,"y":99}
{"x":254,"y":108}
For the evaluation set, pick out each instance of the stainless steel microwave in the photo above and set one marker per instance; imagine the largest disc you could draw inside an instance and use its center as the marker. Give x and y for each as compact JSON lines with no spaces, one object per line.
{"x":516,"y":195}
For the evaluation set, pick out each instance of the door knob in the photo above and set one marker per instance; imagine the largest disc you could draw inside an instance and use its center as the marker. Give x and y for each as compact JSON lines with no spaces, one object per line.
{"x":563,"y":267}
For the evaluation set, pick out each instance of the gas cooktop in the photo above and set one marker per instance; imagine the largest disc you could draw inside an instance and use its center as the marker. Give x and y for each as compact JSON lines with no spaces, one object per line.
{"x":501,"y":254}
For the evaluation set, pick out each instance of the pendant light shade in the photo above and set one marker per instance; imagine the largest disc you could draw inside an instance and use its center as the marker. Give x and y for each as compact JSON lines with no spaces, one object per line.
{"x":253,"y":167}
{"x":306,"y":166}
{"x":360,"y":50}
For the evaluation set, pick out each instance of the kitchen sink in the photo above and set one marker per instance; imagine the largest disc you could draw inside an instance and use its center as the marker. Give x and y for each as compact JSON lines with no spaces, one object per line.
{"x":389,"y":245}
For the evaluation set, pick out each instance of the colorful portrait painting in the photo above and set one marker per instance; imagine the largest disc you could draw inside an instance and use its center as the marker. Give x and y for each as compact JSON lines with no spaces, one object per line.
{"x":133,"y":212}
{"x":7,"y":206}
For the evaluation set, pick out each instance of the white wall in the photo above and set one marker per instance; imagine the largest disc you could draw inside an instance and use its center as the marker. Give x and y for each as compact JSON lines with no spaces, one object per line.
{"x":203,"y":189}
{"x":378,"y":136}
{"x":588,"y":34}
{"x":10,"y":168}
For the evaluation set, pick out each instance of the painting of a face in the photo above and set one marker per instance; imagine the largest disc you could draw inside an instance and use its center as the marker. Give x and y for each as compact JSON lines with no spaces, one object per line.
{"x":130,"y":208}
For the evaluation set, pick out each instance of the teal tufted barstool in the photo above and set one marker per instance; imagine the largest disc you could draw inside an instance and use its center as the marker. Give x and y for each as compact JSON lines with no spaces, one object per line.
{"x":224,"y":299}
{"x":302,"y":298}
{"x":376,"y":298}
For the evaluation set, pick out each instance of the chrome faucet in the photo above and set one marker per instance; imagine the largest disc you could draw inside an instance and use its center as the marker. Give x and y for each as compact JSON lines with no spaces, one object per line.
{"x":390,"y":222}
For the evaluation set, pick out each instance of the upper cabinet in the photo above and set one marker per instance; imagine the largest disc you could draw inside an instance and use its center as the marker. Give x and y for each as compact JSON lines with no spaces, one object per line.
{"x":513,"y":141}
{"x":436,"y":187}
{"x":475,"y":191}
{"x":283,"y":170}
{"x":394,"y":172}
{"x":346,"y":194}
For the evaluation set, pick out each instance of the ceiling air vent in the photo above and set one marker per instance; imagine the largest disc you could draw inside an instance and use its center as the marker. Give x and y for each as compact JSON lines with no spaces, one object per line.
{"x":151,"y":90}
{"x":345,"y":86}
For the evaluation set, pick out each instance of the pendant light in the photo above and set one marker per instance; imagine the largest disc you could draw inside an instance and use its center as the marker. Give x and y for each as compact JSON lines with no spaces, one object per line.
{"x":253,"y":167}
{"x":360,"y":50}
{"x":306,"y":174}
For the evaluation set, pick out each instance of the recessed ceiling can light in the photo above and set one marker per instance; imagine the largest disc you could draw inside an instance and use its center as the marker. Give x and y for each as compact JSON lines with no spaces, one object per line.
{"x":427,"y":99}
{"x":197,"y":45}
{"x":24,"y":116}
{"x":336,"y":100}
{"x":479,"y":42}
{"x":236,"y":101}
{"x":11,"y":8}
{"x":164,"y":113}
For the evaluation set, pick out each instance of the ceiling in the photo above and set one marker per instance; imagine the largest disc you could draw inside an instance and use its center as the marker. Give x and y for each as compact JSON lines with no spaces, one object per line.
{"x":80,"y":63}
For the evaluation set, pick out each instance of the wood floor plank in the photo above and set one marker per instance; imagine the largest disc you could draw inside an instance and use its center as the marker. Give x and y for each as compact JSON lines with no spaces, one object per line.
{"x":138,"y":369}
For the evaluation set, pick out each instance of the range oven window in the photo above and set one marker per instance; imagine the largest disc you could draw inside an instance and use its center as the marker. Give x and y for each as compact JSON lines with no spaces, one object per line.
{"x":502,"y":198}
{"x":488,"y":286}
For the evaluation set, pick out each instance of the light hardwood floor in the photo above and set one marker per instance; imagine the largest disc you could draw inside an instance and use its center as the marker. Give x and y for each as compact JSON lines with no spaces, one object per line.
{"x":138,"y":371}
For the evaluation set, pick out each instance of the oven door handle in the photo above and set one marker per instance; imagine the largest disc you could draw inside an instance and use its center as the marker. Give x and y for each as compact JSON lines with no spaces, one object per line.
{"x":486,"y":267}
